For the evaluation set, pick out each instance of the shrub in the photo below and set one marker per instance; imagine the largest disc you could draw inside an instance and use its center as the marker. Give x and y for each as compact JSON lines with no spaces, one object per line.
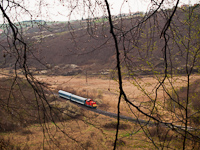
{"x":121,"y":142}
{"x":87,"y":144}
{"x":98,"y":101}
{"x":161,"y":132}
{"x":72,"y":111}
{"x":113,"y":125}
{"x":5,"y":144}
{"x":65,"y":110}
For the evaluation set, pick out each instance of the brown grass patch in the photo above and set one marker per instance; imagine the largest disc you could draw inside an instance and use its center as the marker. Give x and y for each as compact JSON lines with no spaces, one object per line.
{"x":113,"y":125}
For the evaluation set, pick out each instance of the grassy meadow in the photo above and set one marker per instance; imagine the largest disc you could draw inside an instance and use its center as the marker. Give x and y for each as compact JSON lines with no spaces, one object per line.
{"x":24,"y":125}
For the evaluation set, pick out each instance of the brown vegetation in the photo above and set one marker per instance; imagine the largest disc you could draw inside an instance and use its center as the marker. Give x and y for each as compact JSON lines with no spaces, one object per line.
{"x":113,"y":125}
{"x":70,"y":126}
{"x":90,"y":129}
{"x":18,"y":109}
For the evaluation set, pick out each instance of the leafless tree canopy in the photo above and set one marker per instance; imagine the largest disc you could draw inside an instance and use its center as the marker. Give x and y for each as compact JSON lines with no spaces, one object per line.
{"x":162,"y":42}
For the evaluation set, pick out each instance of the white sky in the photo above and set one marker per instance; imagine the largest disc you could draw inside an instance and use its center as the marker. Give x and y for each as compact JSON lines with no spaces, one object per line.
{"x":58,"y":10}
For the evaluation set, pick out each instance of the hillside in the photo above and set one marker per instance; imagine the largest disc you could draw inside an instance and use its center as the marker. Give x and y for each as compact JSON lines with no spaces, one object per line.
{"x":89,"y":45}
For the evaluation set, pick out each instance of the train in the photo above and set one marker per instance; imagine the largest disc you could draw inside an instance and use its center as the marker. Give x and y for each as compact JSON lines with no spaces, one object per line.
{"x":78,"y":99}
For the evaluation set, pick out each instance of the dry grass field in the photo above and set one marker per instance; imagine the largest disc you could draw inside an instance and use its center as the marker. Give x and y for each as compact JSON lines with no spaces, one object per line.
{"x":110,"y":90}
{"x":90,"y":130}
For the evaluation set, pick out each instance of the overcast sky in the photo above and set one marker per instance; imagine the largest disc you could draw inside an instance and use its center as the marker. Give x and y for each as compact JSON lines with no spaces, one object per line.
{"x":59,"y":10}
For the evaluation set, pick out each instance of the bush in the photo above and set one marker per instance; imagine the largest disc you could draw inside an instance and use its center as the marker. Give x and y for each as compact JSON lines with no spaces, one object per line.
{"x":161,"y":132}
{"x":121,"y":142}
{"x":98,"y":101}
{"x":113,"y":125}
{"x":65,"y":110}
{"x":72,"y":111}
{"x":6,"y":144}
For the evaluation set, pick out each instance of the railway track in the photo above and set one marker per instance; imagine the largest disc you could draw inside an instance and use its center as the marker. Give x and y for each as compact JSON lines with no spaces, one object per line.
{"x":134,"y":120}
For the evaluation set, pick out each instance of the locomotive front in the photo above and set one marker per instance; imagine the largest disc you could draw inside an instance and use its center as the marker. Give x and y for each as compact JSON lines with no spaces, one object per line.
{"x":91,"y":103}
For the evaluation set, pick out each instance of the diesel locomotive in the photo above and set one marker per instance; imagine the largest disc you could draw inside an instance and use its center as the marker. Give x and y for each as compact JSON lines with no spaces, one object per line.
{"x":78,"y":99}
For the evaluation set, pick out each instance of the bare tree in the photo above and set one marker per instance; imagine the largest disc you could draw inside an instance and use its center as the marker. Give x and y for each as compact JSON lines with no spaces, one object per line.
{"x":152,"y":27}
{"x":163,"y":43}
{"x":24,"y":99}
